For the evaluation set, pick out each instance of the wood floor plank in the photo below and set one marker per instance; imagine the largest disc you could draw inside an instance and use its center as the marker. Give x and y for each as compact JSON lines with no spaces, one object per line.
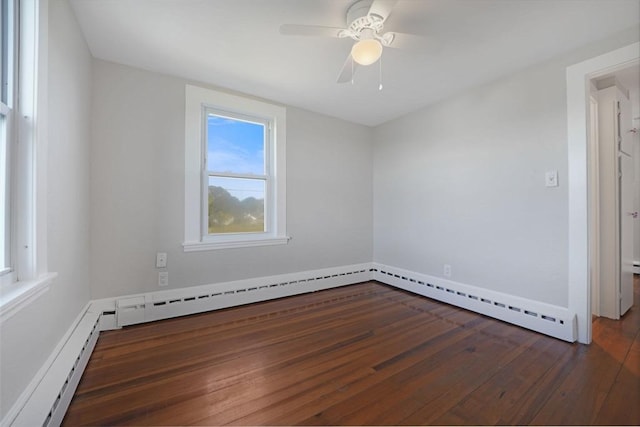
{"x":446,"y":387}
{"x":493,"y":402}
{"x":365,"y":354}
{"x":621,"y":404}
{"x":385,"y":348}
{"x":436,"y":334}
{"x":227,"y":345}
{"x":310,"y":366}
{"x":233,"y":369}
{"x":593,"y":373}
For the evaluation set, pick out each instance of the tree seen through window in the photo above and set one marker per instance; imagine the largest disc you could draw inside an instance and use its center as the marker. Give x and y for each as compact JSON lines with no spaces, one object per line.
{"x":237,"y":174}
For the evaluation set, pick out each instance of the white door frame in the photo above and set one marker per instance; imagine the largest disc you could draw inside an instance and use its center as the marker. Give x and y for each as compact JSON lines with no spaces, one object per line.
{"x":594,"y":203}
{"x":580,"y":192}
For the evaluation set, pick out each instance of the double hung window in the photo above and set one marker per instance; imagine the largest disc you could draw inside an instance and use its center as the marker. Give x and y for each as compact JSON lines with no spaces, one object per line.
{"x":24,"y":275}
{"x":235,"y":177}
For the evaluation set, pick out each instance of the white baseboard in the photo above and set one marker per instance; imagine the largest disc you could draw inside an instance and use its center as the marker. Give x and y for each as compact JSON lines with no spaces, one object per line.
{"x":179,"y":302}
{"x":636,"y":267}
{"x":47,"y":397}
{"x":545,"y":318}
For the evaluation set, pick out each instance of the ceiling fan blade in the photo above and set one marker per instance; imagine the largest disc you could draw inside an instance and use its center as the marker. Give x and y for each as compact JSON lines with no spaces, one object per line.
{"x":309,"y":30}
{"x":382,"y":8}
{"x":412,"y":42}
{"x":348,"y":70}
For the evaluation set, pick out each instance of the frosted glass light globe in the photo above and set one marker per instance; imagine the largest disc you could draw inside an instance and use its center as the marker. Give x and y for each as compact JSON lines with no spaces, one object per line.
{"x":366,"y":52}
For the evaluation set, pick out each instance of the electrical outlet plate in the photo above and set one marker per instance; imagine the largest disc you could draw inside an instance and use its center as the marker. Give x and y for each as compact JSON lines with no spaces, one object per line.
{"x":551,"y":179}
{"x":447,"y":270}
{"x":163,"y":278}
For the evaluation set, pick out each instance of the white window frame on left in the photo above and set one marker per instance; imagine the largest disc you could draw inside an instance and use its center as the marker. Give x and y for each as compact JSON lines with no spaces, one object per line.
{"x":29,"y":277}
{"x":196,"y":237}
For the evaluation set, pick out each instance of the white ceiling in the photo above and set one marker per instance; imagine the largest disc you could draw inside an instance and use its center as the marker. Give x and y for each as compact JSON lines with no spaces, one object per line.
{"x":236,"y":44}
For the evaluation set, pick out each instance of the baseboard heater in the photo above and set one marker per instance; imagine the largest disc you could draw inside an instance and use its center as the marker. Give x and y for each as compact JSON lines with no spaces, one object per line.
{"x":548,"y":319}
{"x":54,"y":388}
{"x":52,"y":396}
{"x":51,"y":392}
{"x":199,"y":299}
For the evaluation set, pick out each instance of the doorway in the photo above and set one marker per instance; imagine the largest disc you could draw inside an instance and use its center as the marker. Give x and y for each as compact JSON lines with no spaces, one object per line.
{"x":615,"y":188}
{"x":580,"y":195}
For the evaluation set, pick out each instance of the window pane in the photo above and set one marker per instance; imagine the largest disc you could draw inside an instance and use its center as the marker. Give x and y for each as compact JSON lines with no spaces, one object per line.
{"x":4,"y":49}
{"x":7,"y":50}
{"x":236,"y":205}
{"x":235,"y":146}
{"x":4,"y":196}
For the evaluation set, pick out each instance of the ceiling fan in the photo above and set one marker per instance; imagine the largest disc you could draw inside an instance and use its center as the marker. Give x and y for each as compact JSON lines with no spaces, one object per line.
{"x":365,"y":22}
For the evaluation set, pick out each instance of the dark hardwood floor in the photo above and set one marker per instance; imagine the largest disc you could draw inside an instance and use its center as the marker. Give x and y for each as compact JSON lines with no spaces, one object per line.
{"x":359,"y":355}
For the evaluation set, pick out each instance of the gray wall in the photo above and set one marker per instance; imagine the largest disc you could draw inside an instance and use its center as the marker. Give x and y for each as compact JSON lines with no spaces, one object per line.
{"x":29,"y":337}
{"x":462,"y":183}
{"x":137,"y":186}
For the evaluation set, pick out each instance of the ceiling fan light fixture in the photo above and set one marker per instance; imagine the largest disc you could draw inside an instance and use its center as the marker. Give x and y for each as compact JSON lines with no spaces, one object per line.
{"x":366,"y":52}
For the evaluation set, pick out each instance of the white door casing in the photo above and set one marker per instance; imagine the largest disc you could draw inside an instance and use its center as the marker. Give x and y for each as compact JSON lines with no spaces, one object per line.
{"x":612,"y":231}
{"x":578,"y":89}
{"x":627,"y":216}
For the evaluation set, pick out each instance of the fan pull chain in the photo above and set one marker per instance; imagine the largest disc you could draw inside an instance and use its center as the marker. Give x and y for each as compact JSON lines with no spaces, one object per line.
{"x":352,"y":70}
{"x":380,"y":74}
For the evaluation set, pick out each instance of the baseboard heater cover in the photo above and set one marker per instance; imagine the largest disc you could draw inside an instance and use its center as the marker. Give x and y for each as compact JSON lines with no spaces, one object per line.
{"x":545,"y":318}
{"x":180,"y":302}
{"x":51,"y":398}
{"x":47,"y":404}
{"x":49,"y":401}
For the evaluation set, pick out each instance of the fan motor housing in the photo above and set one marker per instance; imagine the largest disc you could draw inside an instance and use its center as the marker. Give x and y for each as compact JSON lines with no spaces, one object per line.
{"x":357,"y":10}
{"x":359,"y":19}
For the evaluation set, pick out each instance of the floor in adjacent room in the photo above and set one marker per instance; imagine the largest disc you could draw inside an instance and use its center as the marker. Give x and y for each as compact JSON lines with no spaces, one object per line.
{"x":362,"y":354}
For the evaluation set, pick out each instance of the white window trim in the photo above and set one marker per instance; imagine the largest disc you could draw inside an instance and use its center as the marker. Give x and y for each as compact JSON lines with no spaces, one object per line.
{"x":195,"y":99}
{"x":29,"y":238}
{"x":18,"y":295}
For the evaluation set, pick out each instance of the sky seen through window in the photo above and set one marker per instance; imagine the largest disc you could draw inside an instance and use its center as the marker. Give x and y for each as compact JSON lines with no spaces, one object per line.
{"x":236,"y":146}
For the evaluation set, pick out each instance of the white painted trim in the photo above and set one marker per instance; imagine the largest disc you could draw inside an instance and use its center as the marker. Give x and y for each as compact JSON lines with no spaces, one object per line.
{"x":29,"y":227}
{"x":159,"y":305}
{"x":39,"y":377}
{"x":55,"y":383}
{"x":541,"y":317}
{"x":19,"y":295}
{"x":41,"y":136}
{"x":245,"y":243}
{"x":578,"y":77}
{"x":103,"y":305}
{"x":196,"y":98}
{"x":51,"y":398}
{"x":594,"y":223}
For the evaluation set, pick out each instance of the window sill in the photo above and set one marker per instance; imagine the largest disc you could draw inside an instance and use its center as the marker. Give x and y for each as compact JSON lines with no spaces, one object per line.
{"x":230,"y":244}
{"x":16,"y":296}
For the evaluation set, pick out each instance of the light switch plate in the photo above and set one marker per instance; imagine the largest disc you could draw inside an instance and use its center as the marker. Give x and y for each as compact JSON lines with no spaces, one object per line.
{"x":551,"y":179}
{"x":161,"y":260}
